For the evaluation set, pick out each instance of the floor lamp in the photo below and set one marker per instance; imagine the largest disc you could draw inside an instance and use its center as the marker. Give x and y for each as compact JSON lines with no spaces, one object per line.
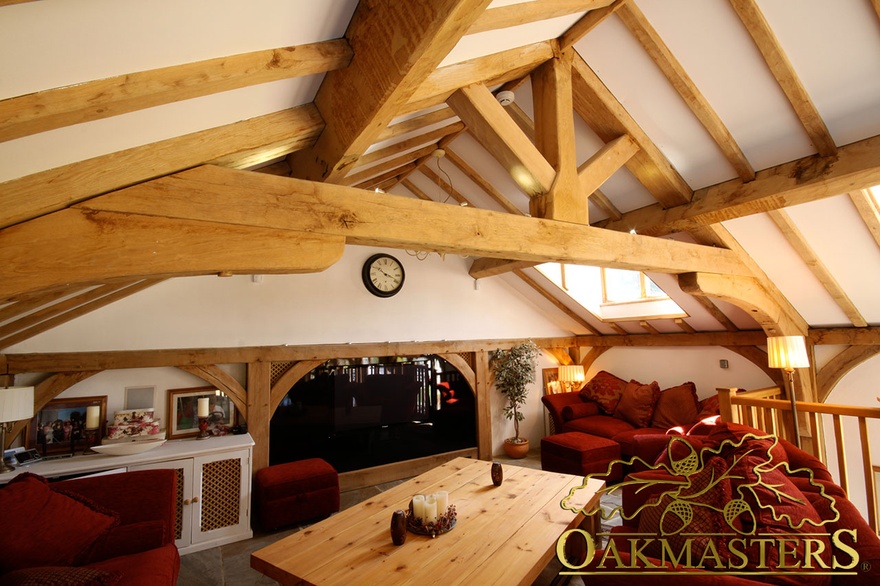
{"x":16,"y":403}
{"x":788,"y":353}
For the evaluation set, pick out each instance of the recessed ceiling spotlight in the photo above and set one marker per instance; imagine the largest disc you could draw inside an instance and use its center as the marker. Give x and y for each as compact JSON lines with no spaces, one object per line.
{"x":505,"y":98}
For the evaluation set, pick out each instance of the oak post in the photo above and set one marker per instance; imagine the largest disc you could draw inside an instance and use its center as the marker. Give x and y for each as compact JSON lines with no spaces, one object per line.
{"x":259,"y":385}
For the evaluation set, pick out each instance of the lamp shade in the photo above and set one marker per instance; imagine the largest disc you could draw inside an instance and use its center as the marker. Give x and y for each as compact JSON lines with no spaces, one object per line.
{"x":571,"y":374}
{"x":787,"y":352}
{"x":16,"y":403}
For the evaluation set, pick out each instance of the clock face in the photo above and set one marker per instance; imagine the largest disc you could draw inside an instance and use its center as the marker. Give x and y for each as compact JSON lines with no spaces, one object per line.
{"x":383,"y":275}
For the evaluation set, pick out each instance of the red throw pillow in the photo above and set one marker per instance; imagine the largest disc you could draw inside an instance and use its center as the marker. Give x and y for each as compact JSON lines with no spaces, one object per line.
{"x":676,"y":406}
{"x":42,"y":527}
{"x":637,"y":403}
{"x":709,"y":406}
{"x":605,"y":389}
{"x":579,"y":410}
{"x":61,"y":576}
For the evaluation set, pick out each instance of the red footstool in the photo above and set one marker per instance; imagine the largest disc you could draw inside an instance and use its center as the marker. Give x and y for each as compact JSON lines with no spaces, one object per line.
{"x":294,"y":492}
{"x":580,"y":453}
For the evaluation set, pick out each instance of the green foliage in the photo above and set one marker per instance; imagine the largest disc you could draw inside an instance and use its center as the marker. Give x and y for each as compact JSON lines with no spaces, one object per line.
{"x":514,"y":370}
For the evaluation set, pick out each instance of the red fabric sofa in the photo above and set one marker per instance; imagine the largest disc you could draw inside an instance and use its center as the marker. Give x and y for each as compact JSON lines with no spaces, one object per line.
{"x":749,"y":487}
{"x":102,"y":530}
{"x":611,"y":407}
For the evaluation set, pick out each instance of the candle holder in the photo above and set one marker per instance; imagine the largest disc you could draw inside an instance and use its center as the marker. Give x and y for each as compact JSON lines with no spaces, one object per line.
{"x":497,"y":473}
{"x":203,"y":429}
{"x":89,"y":435}
{"x":444,"y":523}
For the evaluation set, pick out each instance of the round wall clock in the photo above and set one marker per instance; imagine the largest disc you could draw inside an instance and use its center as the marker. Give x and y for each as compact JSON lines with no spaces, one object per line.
{"x":383,"y":275}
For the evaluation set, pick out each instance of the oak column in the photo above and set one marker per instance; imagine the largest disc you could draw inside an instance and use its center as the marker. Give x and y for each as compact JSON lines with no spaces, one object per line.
{"x":259,"y":386}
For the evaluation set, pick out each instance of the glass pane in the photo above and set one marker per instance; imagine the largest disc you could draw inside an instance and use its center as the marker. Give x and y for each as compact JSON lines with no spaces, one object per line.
{"x":652,"y":289}
{"x":622,"y":285}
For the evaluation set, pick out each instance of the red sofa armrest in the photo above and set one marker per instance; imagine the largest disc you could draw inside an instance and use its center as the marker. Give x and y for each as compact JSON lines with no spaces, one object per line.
{"x":555,"y":404}
{"x":146,"y":502}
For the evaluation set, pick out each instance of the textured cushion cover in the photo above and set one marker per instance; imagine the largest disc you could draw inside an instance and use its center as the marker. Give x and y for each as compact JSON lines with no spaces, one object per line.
{"x":709,"y":406}
{"x":290,"y":493}
{"x":637,"y":403}
{"x":128,"y":539}
{"x":59,"y":529}
{"x":576,"y":411}
{"x":580,"y":453}
{"x":601,"y":425}
{"x":148,"y":568}
{"x":605,"y":389}
{"x":676,"y":406}
{"x":60,"y":576}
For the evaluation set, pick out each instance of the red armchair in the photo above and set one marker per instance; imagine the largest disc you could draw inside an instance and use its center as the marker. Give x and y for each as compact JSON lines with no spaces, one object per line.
{"x":110,"y":529}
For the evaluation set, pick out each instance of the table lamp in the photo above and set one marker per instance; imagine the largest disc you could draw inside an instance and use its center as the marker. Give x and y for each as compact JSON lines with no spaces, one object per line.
{"x":16,"y":403}
{"x":788,"y":353}
{"x":571,"y":376}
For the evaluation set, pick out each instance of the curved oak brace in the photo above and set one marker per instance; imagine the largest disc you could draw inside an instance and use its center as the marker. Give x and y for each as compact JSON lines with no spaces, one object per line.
{"x":840,"y":365}
{"x":221,"y":379}
{"x":79,"y":247}
{"x":748,"y":294}
{"x":290,"y":377}
{"x":48,"y":390}
{"x":464,"y":368}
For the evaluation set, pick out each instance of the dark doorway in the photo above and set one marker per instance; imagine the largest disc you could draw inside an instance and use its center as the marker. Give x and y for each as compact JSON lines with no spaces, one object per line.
{"x":359,"y":414}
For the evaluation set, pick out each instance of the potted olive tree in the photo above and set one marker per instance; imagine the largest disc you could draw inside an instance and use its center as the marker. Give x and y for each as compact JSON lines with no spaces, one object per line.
{"x":514,"y":370}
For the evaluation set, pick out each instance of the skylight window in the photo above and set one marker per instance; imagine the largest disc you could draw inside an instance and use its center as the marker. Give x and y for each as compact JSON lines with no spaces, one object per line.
{"x":612,"y":294}
{"x":874,"y":192}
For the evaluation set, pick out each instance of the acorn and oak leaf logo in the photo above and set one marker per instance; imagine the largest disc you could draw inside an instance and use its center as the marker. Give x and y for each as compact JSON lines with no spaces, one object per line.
{"x":692,"y":477}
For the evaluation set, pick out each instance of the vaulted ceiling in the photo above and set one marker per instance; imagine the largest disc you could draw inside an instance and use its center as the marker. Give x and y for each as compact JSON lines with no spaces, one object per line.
{"x":727,"y":147}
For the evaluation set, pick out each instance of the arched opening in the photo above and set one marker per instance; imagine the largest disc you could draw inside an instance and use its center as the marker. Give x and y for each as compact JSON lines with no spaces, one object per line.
{"x":373,"y":411}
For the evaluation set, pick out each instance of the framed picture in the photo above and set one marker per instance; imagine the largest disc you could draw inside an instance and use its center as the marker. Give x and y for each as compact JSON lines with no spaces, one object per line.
{"x":182,"y":412}
{"x":551,"y":381}
{"x":59,"y":427}
{"x":140,"y":398}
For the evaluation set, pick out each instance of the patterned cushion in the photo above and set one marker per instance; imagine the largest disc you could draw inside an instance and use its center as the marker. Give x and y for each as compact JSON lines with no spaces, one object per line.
{"x":605,"y":389}
{"x":59,"y":528}
{"x":636,"y":405}
{"x":676,"y":406}
{"x":709,"y":406}
{"x":694,"y":512}
{"x":61,"y":576}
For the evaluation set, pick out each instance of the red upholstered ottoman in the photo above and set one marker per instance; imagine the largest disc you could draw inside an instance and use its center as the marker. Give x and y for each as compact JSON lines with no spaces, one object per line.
{"x":294,"y":492}
{"x":579,"y":453}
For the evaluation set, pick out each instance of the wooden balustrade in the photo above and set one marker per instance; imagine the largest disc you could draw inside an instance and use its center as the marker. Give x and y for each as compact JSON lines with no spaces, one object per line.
{"x":762,"y":409}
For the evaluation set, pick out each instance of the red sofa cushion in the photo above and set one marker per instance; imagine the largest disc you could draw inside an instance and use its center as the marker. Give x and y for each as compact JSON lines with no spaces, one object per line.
{"x":577,"y":411}
{"x":637,"y":403}
{"x":601,"y":425}
{"x":605,"y":389}
{"x":709,"y":406}
{"x":61,"y":576}
{"x":43,"y":527}
{"x":676,"y":406}
{"x":148,"y":568}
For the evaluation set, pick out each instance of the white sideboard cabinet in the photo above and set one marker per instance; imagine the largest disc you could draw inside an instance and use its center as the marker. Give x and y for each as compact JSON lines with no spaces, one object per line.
{"x":213,"y":484}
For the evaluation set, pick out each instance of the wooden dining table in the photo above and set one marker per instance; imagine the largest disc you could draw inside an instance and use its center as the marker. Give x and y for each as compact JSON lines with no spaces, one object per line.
{"x":504,"y":534}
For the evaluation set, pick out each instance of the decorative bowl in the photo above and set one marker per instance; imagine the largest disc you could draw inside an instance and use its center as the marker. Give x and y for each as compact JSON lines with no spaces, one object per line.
{"x":128,"y":448}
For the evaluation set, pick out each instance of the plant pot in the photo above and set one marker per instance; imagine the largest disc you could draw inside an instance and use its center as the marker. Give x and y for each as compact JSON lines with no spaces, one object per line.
{"x":516,"y":450}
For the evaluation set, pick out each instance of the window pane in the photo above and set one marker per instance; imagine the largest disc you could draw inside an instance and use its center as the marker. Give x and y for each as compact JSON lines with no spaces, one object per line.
{"x":653,"y":290}
{"x":622,"y":285}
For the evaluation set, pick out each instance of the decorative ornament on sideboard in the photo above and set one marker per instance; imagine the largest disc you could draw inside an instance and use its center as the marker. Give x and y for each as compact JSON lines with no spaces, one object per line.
{"x":514,"y":370}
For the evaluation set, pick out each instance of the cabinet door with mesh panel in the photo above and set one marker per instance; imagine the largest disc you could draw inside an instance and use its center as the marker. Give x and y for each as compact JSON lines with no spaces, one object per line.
{"x":184,"y":520}
{"x":221,"y":489}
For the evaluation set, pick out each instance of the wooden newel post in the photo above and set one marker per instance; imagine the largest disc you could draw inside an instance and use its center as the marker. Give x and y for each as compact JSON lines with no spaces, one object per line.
{"x":724,"y":403}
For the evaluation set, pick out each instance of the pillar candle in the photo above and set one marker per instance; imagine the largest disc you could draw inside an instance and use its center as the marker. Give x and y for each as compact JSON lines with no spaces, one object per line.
{"x":419,"y":507}
{"x":93,"y":414}
{"x":442,"y":502}
{"x":431,"y":509}
{"x":203,"y":407}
